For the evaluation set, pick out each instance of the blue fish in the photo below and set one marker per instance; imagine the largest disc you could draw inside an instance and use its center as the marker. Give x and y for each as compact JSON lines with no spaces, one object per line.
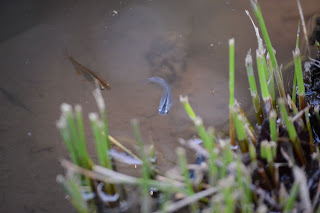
{"x":165,"y":102}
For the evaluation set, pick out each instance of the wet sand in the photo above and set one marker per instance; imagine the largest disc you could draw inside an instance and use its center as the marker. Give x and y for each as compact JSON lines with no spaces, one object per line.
{"x":127,"y":41}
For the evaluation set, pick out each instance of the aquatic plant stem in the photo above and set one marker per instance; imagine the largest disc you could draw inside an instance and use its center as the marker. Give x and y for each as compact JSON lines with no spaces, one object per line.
{"x":308,"y":124}
{"x":73,"y":189}
{"x":291,"y":131}
{"x":103,"y":174}
{"x":292,"y":197}
{"x":185,"y":101}
{"x":253,"y":88}
{"x":231,"y":92}
{"x":101,"y":146}
{"x":207,"y":141}
{"x":256,"y":9}
{"x":303,"y":26}
{"x":86,"y":160}
{"x":263,"y":81}
{"x":273,"y":125}
{"x":209,"y":145}
{"x":103,"y":113}
{"x":185,"y":172}
{"x":298,"y":71}
{"x":102,"y":149}
{"x":244,"y":183}
{"x":268,"y":152}
{"x":65,"y":133}
{"x":240,"y":128}
{"x":146,"y":170}
{"x":294,"y":87}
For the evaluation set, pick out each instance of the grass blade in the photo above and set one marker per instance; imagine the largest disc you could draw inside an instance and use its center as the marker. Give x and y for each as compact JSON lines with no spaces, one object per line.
{"x":146,"y":170}
{"x":231,"y":91}
{"x":292,"y":131}
{"x":253,"y":88}
{"x":185,"y":172}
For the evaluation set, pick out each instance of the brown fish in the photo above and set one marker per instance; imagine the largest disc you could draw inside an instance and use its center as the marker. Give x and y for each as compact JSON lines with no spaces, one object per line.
{"x":88,"y":74}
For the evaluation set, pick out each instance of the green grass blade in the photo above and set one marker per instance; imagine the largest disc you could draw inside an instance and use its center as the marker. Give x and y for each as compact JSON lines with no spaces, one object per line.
{"x":298,"y":71}
{"x":292,"y":198}
{"x":240,"y":128}
{"x":101,"y":146}
{"x":256,"y":9}
{"x":73,"y":189}
{"x":185,"y":172}
{"x":292,"y":131}
{"x":263,"y":81}
{"x":207,"y":142}
{"x":146,"y":170}
{"x":253,"y":88}
{"x":231,"y":91}
{"x":86,"y":161}
{"x":273,"y":125}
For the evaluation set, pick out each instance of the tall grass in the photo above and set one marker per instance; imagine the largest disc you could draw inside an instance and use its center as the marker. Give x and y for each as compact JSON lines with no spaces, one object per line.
{"x":241,"y":173}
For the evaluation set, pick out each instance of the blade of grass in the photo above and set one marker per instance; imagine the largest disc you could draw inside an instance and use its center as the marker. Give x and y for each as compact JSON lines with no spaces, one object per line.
{"x":298,"y":71}
{"x":304,"y":194}
{"x":102,"y":149}
{"x":101,"y":146}
{"x":227,"y":158}
{"x":103,"y":174}
{"x":263,"y":81}
{"x":294,"y":88}
{"x":292,"y":105}
{"x":292,"y":131}
{"x":146,"y":170}
{"x":86,"y":161}
{"x":103,"y":112}
{"x":273,"y":125}
{"x":73,"y":189}
{"x":228,"y":189}
{"x":292,"y":198}
{"x":243,"y":184}
{"x":303,"y":26}
{"x":231,"y":91}
{"x":122,"y":147}
{"x":253,"y":88}
{"x":268,"y":152}
{"x":308,"y":124}
{"x":240,"y":128}
{"x":207,"y":142}
{"x":256,"y":9}
{"x":270,"y":82}
{"x":65,"y":133}
{"x":185,"y":172}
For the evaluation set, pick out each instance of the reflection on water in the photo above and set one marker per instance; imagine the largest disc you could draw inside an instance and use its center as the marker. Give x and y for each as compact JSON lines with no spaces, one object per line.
{"x":129,"y":41}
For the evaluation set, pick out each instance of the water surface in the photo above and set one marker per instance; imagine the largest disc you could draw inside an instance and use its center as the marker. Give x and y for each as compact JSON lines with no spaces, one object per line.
{"x":183,"y":41}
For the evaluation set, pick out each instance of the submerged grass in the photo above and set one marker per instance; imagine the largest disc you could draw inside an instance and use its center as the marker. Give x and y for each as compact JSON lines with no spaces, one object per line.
{"x":259,"y":176}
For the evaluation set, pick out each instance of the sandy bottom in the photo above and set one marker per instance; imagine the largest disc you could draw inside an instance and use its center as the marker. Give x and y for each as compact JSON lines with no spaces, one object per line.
{"x":185,"y":42}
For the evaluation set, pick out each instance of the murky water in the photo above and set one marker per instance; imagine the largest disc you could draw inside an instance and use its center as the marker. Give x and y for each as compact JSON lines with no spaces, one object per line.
{"x":185,"y":42}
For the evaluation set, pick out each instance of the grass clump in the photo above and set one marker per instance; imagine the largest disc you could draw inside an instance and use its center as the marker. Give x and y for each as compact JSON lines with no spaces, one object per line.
{"x":274,"y":167}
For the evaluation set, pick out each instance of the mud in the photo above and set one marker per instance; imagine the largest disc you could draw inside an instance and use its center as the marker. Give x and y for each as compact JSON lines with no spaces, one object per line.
{"x":185,"y":42}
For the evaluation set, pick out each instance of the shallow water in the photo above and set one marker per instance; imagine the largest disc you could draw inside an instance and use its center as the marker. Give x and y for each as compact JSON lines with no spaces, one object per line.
{"x":185,"y":42}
